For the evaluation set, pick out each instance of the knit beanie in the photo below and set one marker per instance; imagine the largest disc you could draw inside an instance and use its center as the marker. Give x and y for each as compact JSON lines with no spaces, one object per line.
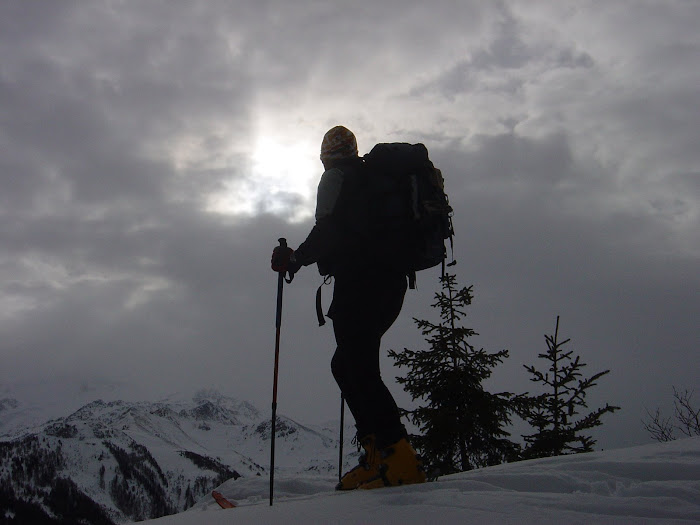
{"x":338,"y":143}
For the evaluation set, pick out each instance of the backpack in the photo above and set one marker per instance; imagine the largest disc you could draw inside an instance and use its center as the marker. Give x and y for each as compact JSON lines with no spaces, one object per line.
{"x":410,"y":214}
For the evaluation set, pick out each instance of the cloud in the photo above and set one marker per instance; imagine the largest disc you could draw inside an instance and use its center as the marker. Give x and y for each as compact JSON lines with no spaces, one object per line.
{"x":567,"y":136}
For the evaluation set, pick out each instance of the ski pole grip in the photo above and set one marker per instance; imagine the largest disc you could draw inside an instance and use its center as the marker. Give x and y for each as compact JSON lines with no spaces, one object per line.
{"x":285,"y":250}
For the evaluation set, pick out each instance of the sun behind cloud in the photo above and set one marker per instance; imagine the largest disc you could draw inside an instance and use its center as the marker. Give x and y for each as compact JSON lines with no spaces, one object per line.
{"x":280,"y":179}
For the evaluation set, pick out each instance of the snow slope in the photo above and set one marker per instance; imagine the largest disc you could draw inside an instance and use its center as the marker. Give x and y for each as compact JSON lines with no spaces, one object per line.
{"x":657,"y":483}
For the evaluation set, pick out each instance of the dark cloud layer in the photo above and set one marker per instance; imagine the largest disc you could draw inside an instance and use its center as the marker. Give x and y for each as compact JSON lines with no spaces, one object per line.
{"x":568,"y":140}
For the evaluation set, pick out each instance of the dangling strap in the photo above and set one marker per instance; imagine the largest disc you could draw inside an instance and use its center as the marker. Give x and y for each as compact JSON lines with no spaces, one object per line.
{"x":452,"y":249}
{"x":452,"y":246}
{"x":319,"y":304}
{"x":319,"y":307}
{"x":412,"y":279}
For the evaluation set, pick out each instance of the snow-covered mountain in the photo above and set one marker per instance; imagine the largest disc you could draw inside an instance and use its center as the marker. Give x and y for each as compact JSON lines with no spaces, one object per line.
{"x":125,"y":461}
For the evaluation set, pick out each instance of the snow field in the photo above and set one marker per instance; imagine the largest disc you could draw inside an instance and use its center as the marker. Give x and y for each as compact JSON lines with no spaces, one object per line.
{"x":651,"y":484}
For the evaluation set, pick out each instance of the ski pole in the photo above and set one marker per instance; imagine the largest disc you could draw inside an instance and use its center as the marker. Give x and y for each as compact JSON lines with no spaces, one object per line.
{"x":342,"y":428}
{"x":278,"y":325}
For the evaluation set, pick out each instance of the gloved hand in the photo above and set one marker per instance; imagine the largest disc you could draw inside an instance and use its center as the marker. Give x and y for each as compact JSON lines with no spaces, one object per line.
{"x":281,"y":256}
{"x":283,"y":261}
{"x":294,"y":265}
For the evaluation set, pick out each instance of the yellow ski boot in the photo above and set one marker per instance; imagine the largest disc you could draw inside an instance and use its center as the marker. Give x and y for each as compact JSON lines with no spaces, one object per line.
{"x":399,"y":465}
{"x":367,"y":469}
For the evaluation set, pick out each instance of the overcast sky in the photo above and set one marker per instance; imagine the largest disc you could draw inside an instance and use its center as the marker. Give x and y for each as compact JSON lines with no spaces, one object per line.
{"x":151,"y":154}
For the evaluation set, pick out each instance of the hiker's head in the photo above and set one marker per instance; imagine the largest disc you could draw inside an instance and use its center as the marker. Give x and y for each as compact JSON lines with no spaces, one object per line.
{"x":339,"y":143}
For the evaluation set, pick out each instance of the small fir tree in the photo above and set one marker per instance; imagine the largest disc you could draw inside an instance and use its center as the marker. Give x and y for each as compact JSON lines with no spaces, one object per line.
{"x":462,"y":425}
{"x":554,"y":413}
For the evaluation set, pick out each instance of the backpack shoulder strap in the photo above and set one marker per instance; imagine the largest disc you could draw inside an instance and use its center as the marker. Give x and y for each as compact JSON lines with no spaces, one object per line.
{"x":328,"y":192}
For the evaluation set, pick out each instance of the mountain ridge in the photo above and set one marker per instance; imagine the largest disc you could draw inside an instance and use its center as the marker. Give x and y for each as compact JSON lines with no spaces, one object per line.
{"x":140,"y":460}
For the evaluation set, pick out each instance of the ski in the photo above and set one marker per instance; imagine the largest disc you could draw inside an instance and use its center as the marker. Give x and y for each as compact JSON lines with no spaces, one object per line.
{"x":223,"y":502}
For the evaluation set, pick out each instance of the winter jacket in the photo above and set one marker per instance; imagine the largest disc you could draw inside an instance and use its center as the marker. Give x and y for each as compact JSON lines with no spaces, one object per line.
{"x":339,"y":240}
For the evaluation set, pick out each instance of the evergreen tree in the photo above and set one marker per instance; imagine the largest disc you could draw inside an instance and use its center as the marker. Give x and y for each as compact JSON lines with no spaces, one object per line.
{"x":554,"y":413}
{"x":462,"y":424}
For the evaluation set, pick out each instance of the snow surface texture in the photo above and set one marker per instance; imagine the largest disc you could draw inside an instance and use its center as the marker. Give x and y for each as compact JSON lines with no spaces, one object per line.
{"x":657,"y":483}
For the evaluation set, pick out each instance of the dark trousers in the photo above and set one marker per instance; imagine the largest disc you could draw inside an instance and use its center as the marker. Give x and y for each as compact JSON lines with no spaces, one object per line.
{"x":364,"y":307}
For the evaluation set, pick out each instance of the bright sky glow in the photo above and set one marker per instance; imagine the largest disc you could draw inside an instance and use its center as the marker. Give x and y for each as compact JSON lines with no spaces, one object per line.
{"x":280,"y":179}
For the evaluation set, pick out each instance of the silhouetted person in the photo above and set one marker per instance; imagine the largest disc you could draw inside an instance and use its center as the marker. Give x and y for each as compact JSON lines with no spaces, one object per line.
{"x":367,"y":298}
